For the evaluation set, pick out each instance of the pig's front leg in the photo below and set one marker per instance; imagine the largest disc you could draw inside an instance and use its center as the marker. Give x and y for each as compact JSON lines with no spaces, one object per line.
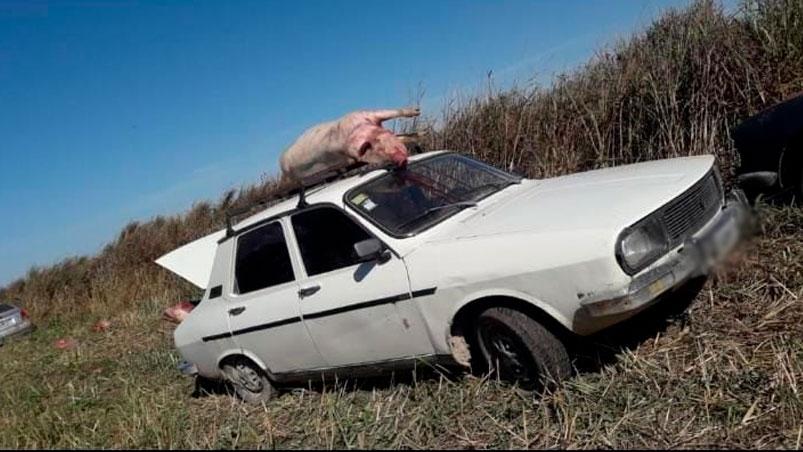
{"x":377,"y":116}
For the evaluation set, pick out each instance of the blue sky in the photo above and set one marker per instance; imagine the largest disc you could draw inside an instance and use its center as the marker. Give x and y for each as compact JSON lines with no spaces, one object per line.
{"x":112,"y":111}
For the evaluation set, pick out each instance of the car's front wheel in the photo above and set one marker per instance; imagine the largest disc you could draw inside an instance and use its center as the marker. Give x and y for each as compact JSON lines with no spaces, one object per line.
{"x":520,"y":350}
{"x":250,"y":383}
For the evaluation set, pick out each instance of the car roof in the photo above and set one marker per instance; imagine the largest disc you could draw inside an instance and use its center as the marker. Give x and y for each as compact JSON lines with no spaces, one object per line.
{"x":194,"y":260}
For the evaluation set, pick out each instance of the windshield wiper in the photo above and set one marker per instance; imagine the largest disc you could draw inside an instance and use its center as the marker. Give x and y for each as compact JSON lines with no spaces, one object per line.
{"x":453,"y":204}
{"x":462,"y":204}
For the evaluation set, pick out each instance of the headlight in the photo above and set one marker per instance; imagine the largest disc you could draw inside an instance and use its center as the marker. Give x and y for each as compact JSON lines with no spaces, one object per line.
{"x":641,"y":244}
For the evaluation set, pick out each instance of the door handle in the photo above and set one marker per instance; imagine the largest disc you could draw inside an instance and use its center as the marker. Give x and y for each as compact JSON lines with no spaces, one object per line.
{"x":236,"y":311}
{"x":307,"y":291}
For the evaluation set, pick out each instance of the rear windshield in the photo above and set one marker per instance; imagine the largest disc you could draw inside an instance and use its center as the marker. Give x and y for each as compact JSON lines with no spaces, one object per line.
{"x":5,"y":307}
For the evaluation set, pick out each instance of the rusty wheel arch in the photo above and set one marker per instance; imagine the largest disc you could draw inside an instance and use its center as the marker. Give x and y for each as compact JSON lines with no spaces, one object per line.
{"x":234,"y":357}
{"x":462,"y":325}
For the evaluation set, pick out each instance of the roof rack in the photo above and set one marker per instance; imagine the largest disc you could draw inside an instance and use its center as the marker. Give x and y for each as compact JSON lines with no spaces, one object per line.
{"x":300,"y":188}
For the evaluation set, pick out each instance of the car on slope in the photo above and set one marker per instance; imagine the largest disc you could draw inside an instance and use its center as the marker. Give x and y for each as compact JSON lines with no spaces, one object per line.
{"x":13,"y":321}
{"x":447,"y":260}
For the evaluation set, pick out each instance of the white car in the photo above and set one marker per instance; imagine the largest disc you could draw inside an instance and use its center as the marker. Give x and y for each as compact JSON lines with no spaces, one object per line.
{"x":447,"y":260}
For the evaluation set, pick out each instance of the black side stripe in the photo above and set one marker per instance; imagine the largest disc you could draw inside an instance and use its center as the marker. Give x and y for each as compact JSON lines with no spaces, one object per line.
{"x":251,"y":329}
{"x":215,"y":337}
{"x":317,"y":315}
{"x":370,"y":304}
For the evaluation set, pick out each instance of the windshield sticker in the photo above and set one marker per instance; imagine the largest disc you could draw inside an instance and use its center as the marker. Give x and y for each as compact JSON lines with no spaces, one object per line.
{"x":368,"y":205}
{"x":359,"y":198}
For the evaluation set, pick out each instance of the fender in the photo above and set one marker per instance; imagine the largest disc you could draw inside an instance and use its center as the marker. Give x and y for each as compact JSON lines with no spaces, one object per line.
{"x":240,"y":352}
{"x":508,"y":293}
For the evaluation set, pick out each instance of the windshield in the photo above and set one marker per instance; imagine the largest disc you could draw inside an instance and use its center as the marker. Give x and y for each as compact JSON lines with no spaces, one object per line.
{"x":407,"y":201}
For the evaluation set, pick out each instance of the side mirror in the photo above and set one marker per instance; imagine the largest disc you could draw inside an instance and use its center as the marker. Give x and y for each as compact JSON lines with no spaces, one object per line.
{"x":371,"y":250}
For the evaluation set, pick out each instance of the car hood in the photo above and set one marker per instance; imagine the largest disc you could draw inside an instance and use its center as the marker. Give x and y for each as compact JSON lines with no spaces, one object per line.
{"x":607,"y":198}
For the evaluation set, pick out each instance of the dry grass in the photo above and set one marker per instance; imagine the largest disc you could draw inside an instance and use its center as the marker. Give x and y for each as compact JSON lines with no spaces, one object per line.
{"x":675,"y":89}
{"x":729,"y":373}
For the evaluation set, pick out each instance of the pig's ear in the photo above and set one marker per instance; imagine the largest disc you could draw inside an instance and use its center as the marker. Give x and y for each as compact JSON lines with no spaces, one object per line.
{"x":365,"y":147}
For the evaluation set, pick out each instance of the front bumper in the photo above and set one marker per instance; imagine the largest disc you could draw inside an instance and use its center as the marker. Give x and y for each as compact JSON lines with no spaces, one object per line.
{"x":695,"y":257}
{"x":187,"y":368}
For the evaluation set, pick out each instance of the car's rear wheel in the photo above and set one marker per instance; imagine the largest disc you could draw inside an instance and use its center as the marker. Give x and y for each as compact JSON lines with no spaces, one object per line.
{"x":250,"y":383}
{"x":520,"y":350}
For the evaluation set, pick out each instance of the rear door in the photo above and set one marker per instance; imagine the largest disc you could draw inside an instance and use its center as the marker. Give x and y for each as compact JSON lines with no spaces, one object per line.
{"x":356,"y":313}
{"x":263,"y":302}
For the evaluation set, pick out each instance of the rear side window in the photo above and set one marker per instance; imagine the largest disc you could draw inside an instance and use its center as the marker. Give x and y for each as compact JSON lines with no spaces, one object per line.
{"x":262,"y":259}
{"x":326,"y":238}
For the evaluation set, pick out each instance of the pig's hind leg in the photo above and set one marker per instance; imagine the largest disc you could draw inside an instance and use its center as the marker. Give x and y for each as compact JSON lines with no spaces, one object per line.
{"x":377,"y":116}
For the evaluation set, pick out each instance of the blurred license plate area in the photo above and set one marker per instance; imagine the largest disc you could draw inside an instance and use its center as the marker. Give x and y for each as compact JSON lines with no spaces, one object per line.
{"x":721,"y":238}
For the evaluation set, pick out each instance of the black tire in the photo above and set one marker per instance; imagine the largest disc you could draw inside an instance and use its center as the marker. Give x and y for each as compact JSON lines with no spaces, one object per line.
{"x":250,"y":383}
{"x":518,"y":349}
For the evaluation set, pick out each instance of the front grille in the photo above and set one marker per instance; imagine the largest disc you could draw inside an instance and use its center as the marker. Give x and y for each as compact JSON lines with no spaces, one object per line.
{"x":686,"y":214}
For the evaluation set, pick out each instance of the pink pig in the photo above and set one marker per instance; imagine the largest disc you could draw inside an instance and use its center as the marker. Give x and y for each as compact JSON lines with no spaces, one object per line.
{"x":357,"y":136}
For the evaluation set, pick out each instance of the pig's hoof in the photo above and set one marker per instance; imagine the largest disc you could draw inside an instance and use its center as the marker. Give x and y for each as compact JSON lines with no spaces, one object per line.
{"x":413,"y":111}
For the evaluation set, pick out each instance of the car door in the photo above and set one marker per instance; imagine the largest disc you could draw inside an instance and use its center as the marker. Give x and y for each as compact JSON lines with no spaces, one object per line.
{"x":355,"y":312}
{"x":263,"y":302}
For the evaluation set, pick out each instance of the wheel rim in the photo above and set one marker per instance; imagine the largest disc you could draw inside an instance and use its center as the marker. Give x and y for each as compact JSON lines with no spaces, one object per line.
{"x":247,"y":378}
{"x":507,"y":354}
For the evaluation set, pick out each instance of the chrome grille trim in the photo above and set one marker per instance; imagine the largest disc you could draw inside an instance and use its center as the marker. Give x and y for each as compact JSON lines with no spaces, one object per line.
{"x":686,"y":214}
